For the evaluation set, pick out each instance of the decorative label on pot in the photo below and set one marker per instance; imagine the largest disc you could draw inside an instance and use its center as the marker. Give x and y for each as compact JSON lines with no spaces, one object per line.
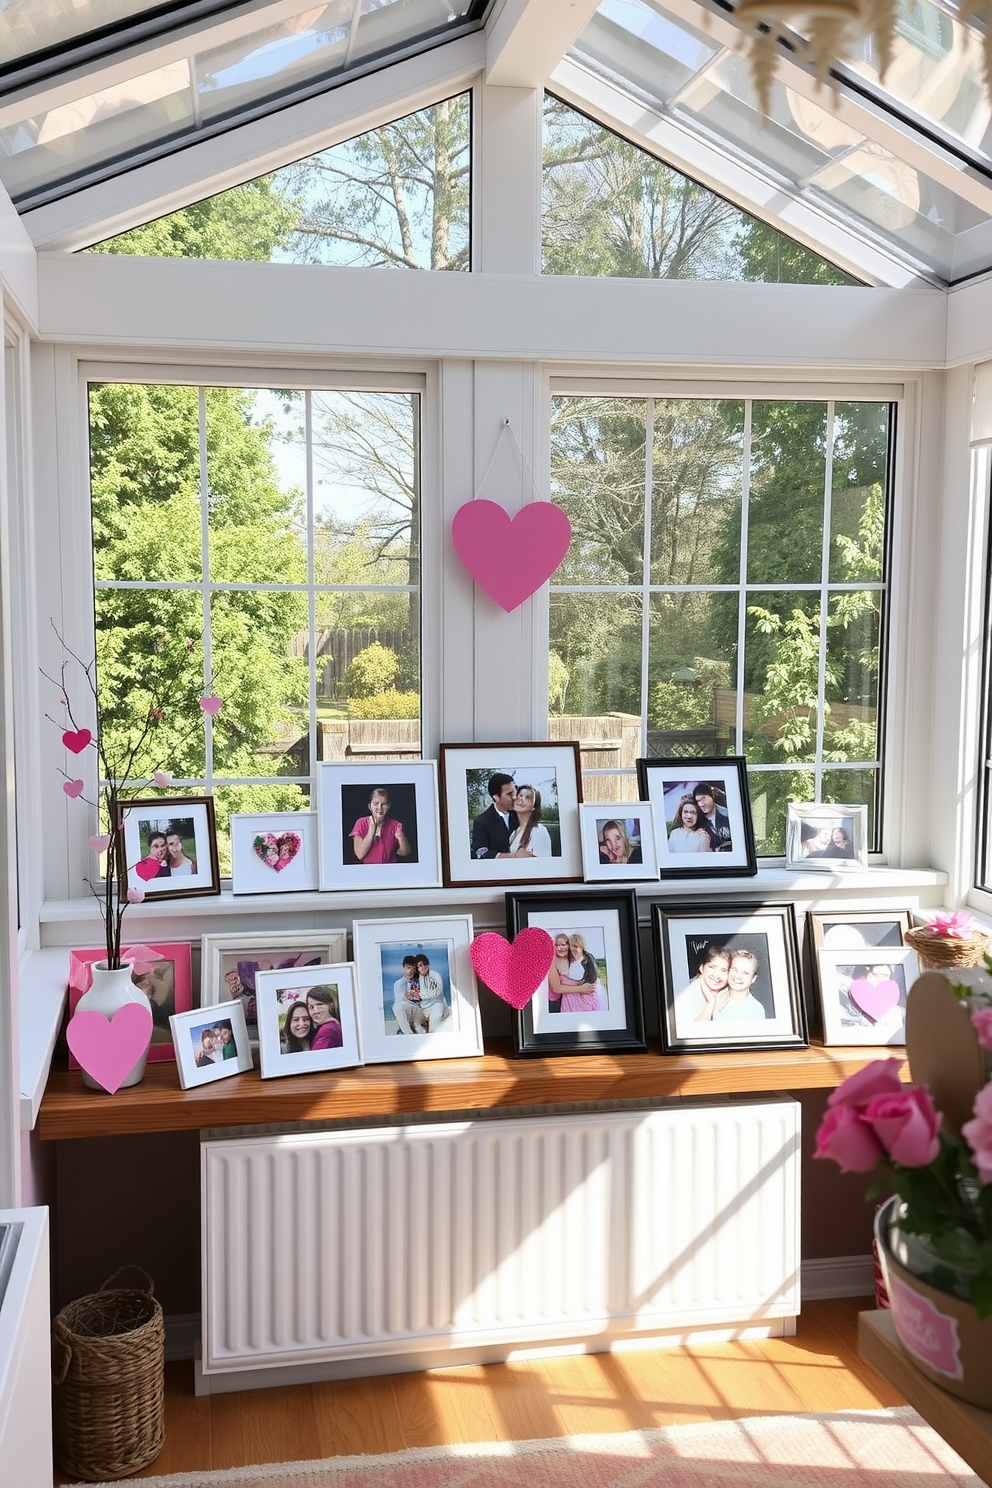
{"x":931,"y":1335}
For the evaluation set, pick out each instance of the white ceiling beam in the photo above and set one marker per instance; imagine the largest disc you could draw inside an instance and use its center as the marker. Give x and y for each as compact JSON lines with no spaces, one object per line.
{"x":18,"y":263}
{"x":202,"y":169}
{"x":526,"y":39}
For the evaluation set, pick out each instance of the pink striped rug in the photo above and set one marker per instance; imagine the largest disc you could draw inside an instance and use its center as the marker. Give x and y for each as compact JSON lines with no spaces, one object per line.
{"x":844,"y":1449}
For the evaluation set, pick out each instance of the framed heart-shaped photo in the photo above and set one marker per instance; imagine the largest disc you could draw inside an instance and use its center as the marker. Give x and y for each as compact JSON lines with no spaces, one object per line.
{"x":273,"y":852}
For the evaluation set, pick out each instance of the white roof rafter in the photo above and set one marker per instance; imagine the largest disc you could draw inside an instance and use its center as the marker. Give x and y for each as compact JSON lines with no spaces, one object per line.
{"x":525,"y":41}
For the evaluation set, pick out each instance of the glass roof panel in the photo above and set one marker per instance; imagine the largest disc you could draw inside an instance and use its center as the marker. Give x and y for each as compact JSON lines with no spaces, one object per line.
{"x":236,"y":75}
{"x":648,"y":52}
{"x":29,"y":26}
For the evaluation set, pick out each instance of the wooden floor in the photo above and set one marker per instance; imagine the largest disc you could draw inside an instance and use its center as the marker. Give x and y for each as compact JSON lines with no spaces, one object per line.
{"x":818,"y":1370}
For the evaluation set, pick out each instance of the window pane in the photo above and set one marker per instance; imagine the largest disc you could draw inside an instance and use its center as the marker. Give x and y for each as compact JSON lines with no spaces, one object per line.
{"x":366,"y":455}
{"x":785,"y":509}
{"x":256,"y":484}
{"x":597,"y":476}
{"x":770,"y":792}
{"x":857,"y":511}
{"x":856,"y":788}
{"x":262,"y":727}
{"x":781,"y":671}
{"x":692,"y":698}
{"x":696,"y":491}
{"x":851,"y":685}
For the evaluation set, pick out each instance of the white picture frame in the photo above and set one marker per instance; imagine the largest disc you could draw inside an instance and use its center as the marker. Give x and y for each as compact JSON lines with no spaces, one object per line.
{"x":451,"y":1032}
{"x":618,"y":841}
{"x":260,"y":842}
{"x":281,"y":1051}
{"x":826,"y":837}
{"x":863,"y":994}
{"x":199,"y":1055}
{"x":230,"y":963}
{"x":347,"y":794}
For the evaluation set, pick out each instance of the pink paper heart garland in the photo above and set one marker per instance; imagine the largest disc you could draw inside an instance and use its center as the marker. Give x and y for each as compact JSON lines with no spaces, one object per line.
{"x":73,"y":788}
{"x":284,"y":845}
{"x":109,"y":1048}
{"x":510,"y":557}
{"x":875,"y":998}
{"x":76,"y":741}
{"x":514,"y":972}
{"x":147,"y":869}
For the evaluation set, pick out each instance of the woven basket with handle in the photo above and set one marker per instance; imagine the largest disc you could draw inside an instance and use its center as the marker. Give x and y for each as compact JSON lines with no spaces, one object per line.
{"x":940,"y":952}
{"x":108,"y":1367}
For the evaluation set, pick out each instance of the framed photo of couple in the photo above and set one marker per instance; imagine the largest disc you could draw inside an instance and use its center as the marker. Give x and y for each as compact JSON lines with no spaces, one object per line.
{"x":170,"y":846}
{"x":417,"y":994}
{"x":832,"y":839}
{"x":510,"y":813}
{"x":378,"y":825}
{"x":702,"y":816}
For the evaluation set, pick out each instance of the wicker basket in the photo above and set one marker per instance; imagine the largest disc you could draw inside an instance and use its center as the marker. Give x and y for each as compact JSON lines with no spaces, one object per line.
{"x":941,"y":952}
{"x":108,"y":1365}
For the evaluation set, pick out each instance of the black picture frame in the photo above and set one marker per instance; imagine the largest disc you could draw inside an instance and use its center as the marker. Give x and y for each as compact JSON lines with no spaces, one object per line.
{"x":607,"y":922}
{"x":727,"y":849}
{"x":688,"y":937}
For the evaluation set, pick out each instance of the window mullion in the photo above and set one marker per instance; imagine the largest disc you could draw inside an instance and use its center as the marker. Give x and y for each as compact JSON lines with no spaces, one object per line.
{"x":742,"y":571}
{"x":205,"y":608}
{"x":646,"y":574}
{"x":311,"y":590}
{"x":828,"y":481}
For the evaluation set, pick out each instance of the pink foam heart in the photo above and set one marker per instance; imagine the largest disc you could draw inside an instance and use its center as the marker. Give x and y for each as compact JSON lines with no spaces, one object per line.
{"x":277,"y":851}
{"x":109,"y":1048}
{"x":73,"y":788}
{"x":211,"y":705}
{"x":875,"y":998}
{"x":100,"y":843}
{"x":514,"y":972}
{"x":510,"y":557}
{"x":76,"y":741}
{"x":147,"y":868}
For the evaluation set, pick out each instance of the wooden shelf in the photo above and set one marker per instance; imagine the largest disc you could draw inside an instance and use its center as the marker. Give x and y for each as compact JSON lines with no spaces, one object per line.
{"x":964,"y":1427}
{"x":68,"y":1109}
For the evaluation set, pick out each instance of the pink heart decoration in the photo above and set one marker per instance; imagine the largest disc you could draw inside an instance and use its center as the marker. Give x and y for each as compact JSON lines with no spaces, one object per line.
{"x":286,"y":845}
{"x":101,"y":843}
{"x":147,"y":868}
{"x":211,"y":705}
{"x":514,"y":972}
{"x":109,"y":1048}
{"x":510,"y":557}
{"x":875,"y":998}
{"x":77,"y":741}
{"x":73,"y":788}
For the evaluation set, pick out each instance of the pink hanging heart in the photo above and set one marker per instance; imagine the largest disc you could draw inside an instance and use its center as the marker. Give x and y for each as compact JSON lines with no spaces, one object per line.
{"x":109,"y":1048}
{"x":875,"y":998}
{"x":510,"y":557}
{"x":277,"y":852}
{"x":101,"y":843}
{"x":77,"y":741}
{"x":147,"y":868}
{"x":73,"y":788}
{"x":514,"y":972}
{"x":211,"y":705}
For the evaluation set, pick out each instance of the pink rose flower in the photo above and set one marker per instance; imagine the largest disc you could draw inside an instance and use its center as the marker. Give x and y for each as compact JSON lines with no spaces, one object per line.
{"x":881,"y":1077}
{"x":978,"y":1134}
{"x":849,"y":1140}
{"x":954,"y":926}
{"x":981,"y":1022}
{"x":906,"y":1124}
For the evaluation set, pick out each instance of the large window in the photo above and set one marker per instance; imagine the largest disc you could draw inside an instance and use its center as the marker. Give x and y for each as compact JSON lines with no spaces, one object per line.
{"x":724,"y":593}
{"x":279,"y":531}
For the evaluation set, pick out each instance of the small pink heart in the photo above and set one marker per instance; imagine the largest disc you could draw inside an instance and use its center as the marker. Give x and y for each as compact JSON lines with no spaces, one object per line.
{"x":147,"y":868}
{"x":77,"y":741}
{"x":101,"y":843}
{"x":510,"y":557}
{"x":211,"y":705}
{"x":73,"y":788}
{"x":514,"y":972}
{"x":875,"y":998}
{"x":162,"y":778}
{"x":109,"y":1048}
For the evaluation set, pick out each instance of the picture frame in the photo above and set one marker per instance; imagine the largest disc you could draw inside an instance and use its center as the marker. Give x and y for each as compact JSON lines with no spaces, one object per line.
{"x":200,"y":1037}
{"x":229,"y":964}
{"x":605,"y":924}
{"x":178,"y":831}
{"x":288,"y":1050}
{"x":849,"y":931}
{"x":863,"y":994}
{"x":273,"y":852}
{"x":713,"y":839}
{"x":398,"y":802}
{"x":826,"y":837}
{"x":476,"y":832}
{"x":618,"y":841}
{"x":692,"y":942}
{"x":162,"y":971}
{"x":450,"y":1027}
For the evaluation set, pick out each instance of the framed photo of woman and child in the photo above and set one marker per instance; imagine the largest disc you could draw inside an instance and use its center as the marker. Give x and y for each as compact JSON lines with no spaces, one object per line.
{"x":702,"y":816}
{"x":307,"y":1020}
{"x":210,"y":1044}
{"x":509,"y":813}
{"x":590,"y":1002}
{"x":417,"y":993}
{"x":729,"y":977}
{"x":378,"y":825}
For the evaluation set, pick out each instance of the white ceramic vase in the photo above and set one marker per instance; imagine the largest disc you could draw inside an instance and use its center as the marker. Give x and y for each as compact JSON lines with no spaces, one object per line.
{"x":110,"y":990}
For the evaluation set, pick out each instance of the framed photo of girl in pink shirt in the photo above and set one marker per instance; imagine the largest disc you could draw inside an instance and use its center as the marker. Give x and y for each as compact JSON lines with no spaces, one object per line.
{"x":378,"y":825}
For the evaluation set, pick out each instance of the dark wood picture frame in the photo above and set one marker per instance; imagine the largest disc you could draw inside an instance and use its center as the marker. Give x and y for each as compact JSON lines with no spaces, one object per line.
{"x":168,"y":809}
{"x":728,"y":846}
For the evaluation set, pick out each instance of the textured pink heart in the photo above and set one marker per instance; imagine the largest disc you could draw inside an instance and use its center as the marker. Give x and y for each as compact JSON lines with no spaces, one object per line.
{"x":147,"y":868}
{"x":73,"y":788}
{"x":211,"y":705}
{"x":510,"y":557}
{"x":76,"y":741}
{"x":277,"y":852}
{"x":514,"y":972}
{"x":109,"y":1048}
{"x":875,"y":998}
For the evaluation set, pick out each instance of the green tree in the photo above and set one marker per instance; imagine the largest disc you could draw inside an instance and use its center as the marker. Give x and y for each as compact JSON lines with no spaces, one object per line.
{"x":247,"y":222}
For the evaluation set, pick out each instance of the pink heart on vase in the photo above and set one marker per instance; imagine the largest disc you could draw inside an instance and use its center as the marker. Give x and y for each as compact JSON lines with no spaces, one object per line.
{"x":109,"y":1048}
{"x":514,"y":972}
{"x":73,"y":788}
{"x":510,"y":557}
{"x":147,"y":868}
{"x":277,"y":851}
{"x":875,"y":998}
{"x":76,"y":741}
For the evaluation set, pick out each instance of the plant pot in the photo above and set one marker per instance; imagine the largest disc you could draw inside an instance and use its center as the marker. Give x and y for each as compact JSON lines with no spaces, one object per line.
{"x":939,"y":1331}
{"x":108,"y":991}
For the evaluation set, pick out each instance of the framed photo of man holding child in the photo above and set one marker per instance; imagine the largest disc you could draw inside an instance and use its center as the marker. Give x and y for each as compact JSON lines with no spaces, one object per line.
{"x":702,"y":816}
{"x":590,"y":1001}
{"x":510,"y":813}
{"x":728,"y":977}
{"x":307,"y":1020}
{"x":417,"y":994}
{"x":378,"y":825}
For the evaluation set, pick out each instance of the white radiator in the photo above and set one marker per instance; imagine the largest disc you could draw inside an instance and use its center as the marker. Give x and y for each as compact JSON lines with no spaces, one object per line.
{"x":419,"y":1243}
